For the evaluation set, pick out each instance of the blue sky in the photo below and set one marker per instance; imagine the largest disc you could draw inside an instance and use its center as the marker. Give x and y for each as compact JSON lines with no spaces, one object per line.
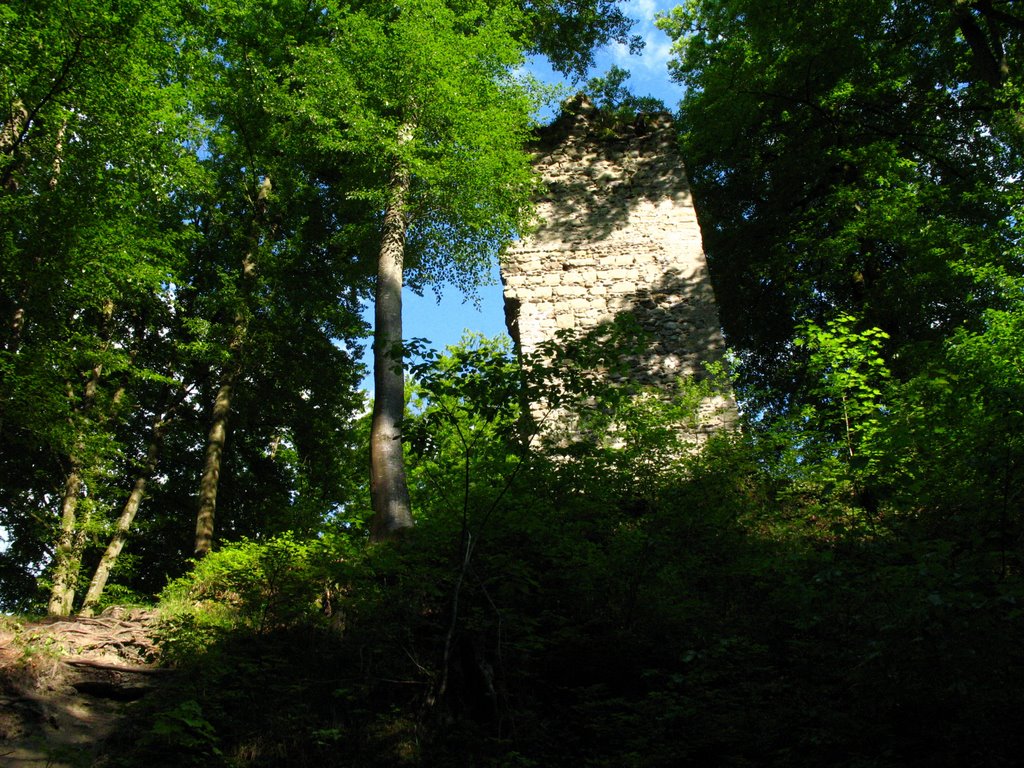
{"x":444,"y":323}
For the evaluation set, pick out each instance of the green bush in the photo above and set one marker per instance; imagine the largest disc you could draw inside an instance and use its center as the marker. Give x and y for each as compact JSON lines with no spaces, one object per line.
{"x":255,"y":586}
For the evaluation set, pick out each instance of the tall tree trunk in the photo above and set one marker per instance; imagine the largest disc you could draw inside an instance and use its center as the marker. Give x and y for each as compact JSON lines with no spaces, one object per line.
{"x":58,"y":155}
{"x":70,"y":541}
{"x":17,"y":322}
{"x":62,"y":592}
{"x":11,"y":136}
{"x":209,"y":482}
{"x":13,"y":126}
{"x":389,"y":490}
{"x":124,"y":522}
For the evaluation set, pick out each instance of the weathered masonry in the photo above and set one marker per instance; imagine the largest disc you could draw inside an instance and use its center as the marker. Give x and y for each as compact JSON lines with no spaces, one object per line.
{"x":618,"y":235}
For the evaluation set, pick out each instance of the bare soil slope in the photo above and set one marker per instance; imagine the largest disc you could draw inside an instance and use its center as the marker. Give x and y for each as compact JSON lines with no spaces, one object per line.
{"x":65,"y":684}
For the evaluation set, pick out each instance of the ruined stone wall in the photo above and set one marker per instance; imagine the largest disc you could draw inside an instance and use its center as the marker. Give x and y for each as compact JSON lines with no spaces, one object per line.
{"x":618,"y":235}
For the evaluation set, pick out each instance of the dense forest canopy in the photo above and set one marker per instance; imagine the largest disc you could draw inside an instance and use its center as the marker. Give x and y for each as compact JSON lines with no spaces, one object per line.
{"x":197,"y":200}
{"x":857,"y":167}
{"x":192,"y":197}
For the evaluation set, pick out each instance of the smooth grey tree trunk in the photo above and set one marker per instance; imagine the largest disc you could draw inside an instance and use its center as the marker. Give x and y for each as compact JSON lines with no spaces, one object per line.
{"x":389,"y":491}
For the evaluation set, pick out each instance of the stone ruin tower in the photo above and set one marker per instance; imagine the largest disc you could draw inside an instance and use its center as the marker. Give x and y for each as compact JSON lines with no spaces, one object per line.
{"x":617,"y":235}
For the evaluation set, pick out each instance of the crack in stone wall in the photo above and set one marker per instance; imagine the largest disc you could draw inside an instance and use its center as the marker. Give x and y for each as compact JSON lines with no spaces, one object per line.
{"x":618,"y":235}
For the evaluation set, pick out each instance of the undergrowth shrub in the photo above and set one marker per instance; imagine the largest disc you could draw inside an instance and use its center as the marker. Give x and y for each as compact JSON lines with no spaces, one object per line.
{"x":254,"y":586}
{"x":640,"y":606}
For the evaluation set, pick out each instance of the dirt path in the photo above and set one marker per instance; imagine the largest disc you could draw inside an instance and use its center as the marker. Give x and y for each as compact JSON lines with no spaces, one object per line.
{"x":65,"y":684}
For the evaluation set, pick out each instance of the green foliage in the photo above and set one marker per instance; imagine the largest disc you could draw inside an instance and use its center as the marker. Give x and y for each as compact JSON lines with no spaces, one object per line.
{"x":259,"y":586}
{"x":464,"y":424}
{"x":604,"y":609}
{"x":611,"y":96}
{"x":446,"y":72}
{"x":143,"y":261}
{"x":847,"y":158}
{"x":838,"y":431}
{"x":90,"y":241}
{"x":568,"y":33}
{"x":184,"y":730}
{"x":849,"y":370}
{"x":150,"y":210}
{"x":840,"y":585}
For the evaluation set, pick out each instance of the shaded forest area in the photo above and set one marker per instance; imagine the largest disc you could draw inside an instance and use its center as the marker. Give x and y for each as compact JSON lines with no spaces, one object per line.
{"x":193,"y":199}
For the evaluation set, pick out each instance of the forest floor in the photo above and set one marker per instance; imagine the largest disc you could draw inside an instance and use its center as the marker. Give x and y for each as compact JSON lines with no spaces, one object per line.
{"x":65,"y":684}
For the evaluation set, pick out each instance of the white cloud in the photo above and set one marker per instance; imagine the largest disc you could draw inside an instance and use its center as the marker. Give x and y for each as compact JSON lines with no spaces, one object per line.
{"x":657,"y":54}
{"x":620,"y":54}
{"x":657,"y":46}
{"x":649,"y":70}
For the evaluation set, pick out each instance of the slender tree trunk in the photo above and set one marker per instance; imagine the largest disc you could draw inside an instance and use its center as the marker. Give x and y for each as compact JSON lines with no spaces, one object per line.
{"x":218,"y":436}
{"x":70,"y":541}
{"x":13,"y":341}
{"x":124,"y":523}
{"x":11,"y":136}
{"x":210,"y":480}
{"x":58,"y":155}
{"x":389,"y":490}
{"x":13,"y":126}
{"x":18,"y":317}
{"x":72,"y":537}
{"x":17,"y":325}
{"x":62,"y":593}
